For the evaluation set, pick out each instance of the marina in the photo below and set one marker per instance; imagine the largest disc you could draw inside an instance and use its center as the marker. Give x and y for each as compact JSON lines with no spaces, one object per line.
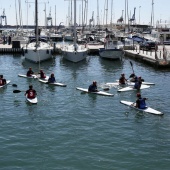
{"x":87,"y":85}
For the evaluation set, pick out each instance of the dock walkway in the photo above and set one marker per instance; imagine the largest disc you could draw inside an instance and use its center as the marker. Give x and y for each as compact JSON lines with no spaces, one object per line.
{"x":160,"y":58}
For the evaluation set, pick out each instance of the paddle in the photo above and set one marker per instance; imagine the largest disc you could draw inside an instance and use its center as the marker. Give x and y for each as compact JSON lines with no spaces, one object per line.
{"x":14,"y":85}
{"x":17,"y":91}
{"x":132,"y":67}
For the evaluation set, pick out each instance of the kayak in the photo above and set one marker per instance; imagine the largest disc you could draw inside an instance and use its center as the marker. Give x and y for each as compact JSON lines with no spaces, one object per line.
{"x":7,"y":82}
{"x":147,"y":109}
{"x":55,"y":83}
{"x":32,"y":101}
{"x":143,"y":82}
{"x":30,"y":77}
{"x":99,"y":92}
{"x":129,"y":88}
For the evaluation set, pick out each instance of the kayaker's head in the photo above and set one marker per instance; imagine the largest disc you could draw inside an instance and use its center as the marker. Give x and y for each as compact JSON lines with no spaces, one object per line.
{"x":94,"y":83}
{"x":41,"y":70}
{"x":122,"y":74}
{"x":30,"y":86}
{"x":1,"y":76}
{"x":30,"y":68}
{"x":139,"y":77}
{"x":138,"y":95}
{"x":52,"y":75}
{"x":132,"y":75}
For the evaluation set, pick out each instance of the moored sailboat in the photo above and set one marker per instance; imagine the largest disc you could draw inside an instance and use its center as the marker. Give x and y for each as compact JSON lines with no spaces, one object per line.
{"x":38,"y":49}
{"x":74,"y":52}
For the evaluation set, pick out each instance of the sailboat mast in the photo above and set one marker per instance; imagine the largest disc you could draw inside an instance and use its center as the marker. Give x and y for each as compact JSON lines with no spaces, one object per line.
{"x":75,"y":23}
{"x":36,"y":22}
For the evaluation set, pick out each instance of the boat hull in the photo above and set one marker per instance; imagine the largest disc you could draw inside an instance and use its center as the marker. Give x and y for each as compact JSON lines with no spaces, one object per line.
{"x":41,"y":54}
{"x":74,"y":56}
{"x":111,"y":53}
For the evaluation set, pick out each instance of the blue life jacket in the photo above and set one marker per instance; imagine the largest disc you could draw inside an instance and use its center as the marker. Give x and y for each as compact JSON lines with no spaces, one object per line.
{"x":142,"y":104}
{"x":92,"y":88}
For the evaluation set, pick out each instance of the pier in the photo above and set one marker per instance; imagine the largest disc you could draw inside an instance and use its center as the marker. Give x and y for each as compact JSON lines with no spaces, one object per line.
{"x":160,"y":58}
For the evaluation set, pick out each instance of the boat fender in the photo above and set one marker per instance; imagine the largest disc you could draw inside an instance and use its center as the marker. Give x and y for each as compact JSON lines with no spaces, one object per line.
{"x":47,"y":51}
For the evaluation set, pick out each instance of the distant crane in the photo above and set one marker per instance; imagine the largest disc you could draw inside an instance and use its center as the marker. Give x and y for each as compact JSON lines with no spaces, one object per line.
{"x":91,"y":20}
{"x":132,"y":20}
{"x":3,"y":16}
{"x":120,"y":20}
{"x":49,"y":18}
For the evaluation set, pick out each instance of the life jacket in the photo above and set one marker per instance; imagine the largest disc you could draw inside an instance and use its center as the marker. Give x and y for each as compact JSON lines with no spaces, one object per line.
{"x":31,"y":94}
{"x":142,"y":104}
{"x":42,"y":75}
{"x":1,"y":82}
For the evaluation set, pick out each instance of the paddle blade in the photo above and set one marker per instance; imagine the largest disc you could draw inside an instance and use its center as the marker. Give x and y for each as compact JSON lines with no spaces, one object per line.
{"x":131,"y":64}
{"x":14,"y":85}
{"x":106,"y":89}
{"x":17,"y":91}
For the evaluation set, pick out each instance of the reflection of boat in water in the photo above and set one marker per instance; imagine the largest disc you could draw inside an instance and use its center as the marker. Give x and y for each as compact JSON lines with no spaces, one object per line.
{"x":112,"y":48}
{"x":110,"y":66}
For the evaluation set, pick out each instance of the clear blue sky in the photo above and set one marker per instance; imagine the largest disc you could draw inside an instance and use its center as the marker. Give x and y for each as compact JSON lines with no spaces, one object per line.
{"x":161,"y":10}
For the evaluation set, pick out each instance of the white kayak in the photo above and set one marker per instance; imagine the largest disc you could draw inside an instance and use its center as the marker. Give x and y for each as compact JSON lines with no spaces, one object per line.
{"x":147,"y":109}
{"x":32,"y":101}
{"x":7,"y":82}
{"x":55,"y":83}
{"x":129,"y":88}
{"x":30,"y":77}
{"x":99,"y":92}
{"x":143,"y":82}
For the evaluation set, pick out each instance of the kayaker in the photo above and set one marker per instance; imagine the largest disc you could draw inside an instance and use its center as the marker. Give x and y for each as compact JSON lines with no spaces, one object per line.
{"x":51,"y":78}
{"x":134,"y":78}
{"x":138,"y":83}
{"x":2,"y":80}
{"x":140,"y":102}
{"x":42,"y":74}
{"x":31,"y":93}
{"x":122,"y":79}
{"x":93,"y":87}
{"x":30,"y":72}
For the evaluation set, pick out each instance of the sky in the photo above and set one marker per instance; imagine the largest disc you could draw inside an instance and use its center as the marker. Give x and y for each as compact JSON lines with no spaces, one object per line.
{"x":143,"y":10}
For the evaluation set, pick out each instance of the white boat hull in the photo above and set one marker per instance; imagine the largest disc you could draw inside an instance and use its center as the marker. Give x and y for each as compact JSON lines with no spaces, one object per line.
{"x":74,"y":56}
{"x":111,"y":53}
{"x":147,"y":109}
{"x":98,"y":93}
{"x":42,"y":53}
{"x":32,"y":101}
{"x":54,"y":84}
{"x":129,"y":88}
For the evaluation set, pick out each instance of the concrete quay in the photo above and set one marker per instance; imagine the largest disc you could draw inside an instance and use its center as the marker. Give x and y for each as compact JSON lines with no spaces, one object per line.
{"x":159,"y":59}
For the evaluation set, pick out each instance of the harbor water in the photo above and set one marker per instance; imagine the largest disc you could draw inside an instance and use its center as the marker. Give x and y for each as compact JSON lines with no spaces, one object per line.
{"x":70,"y":130}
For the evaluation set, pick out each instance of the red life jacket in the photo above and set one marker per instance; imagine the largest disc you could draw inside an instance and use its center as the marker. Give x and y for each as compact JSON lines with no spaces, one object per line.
{"x":31,"y":94}
{"x":1,"y":82}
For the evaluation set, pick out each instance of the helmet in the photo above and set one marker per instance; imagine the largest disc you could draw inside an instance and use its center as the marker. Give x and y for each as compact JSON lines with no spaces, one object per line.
{"x":52,"y":74}
{"x":139,"y":77}
{"x":122,"y":74}
{"x":41,"y":70}
{"x":138,"y":95}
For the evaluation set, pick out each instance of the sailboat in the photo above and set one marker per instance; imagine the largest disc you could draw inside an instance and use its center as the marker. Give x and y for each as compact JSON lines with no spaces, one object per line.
{"x":74,"y":52}
{"x":37,"y":49}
